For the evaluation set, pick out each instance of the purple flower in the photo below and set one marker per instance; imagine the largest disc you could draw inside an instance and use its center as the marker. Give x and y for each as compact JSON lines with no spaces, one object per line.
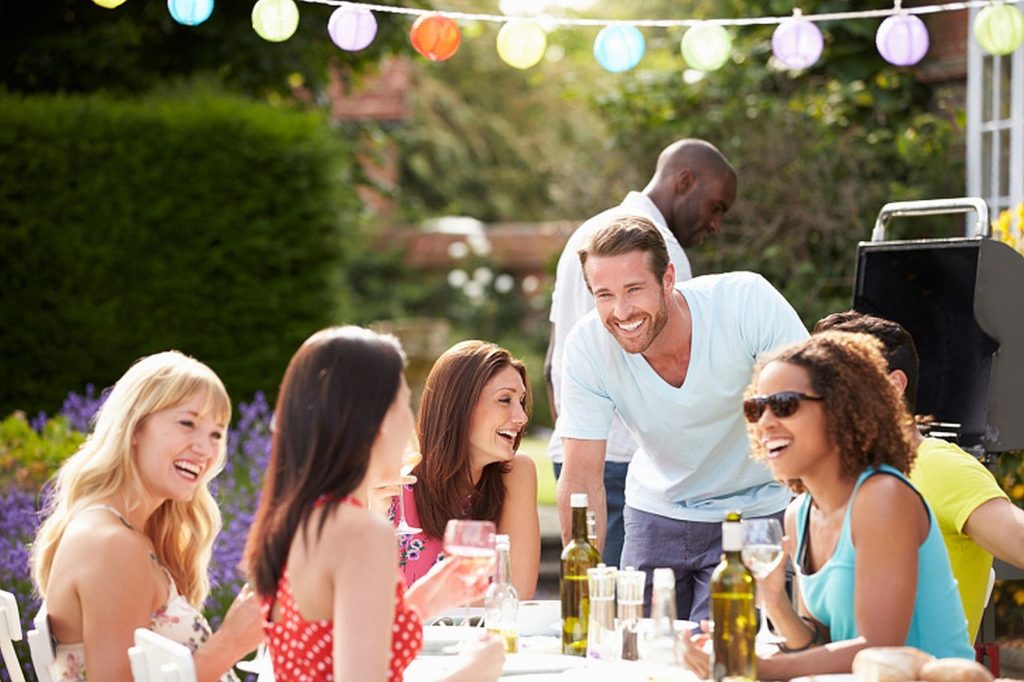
{"x":80,"y":410}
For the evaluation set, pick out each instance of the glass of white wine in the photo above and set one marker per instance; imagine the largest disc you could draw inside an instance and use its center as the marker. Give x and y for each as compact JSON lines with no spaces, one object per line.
{"x":473,"y":541}
{"x":762,"y":553}
{"x":409,"y":461}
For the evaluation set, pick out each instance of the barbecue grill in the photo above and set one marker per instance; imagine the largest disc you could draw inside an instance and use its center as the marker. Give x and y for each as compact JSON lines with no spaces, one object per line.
{"x":961,"y":300}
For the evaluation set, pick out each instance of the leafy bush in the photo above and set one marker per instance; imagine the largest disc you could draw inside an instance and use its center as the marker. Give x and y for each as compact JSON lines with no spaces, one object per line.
{"x":28,"y":457}
{"x":211,"y":224}
{"x":236,"y":490}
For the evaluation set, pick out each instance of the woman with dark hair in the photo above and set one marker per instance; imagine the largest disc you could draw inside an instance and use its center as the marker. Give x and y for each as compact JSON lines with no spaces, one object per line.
{"x":322,"y":564}
{"x":870,"y":564}
{"x":473,"y":413}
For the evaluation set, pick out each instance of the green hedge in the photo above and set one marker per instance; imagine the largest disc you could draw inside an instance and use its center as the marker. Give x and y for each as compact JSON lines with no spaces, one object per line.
{"x":215,"y":225}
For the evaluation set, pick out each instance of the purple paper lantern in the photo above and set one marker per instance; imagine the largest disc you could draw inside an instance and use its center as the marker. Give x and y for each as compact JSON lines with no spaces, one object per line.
{"x":797,"y":43}
{"x":352,"y":28}
{"x":902,"y":40}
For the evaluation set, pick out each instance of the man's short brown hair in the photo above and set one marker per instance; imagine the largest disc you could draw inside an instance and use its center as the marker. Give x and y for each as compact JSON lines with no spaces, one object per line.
{"x":626,"y":235}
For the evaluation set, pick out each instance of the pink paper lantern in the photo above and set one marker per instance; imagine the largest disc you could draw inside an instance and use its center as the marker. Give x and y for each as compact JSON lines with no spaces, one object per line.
{"x":797,"y":43}
{"x":902,"y":40}
{"x":352,"y":28}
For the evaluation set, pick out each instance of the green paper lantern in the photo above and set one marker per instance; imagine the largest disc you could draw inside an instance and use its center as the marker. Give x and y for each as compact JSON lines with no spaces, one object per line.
{"x":109,"y":4}
{"x":275,"y":20}
{"x":999,"y":29}
{"x":706,"y":47}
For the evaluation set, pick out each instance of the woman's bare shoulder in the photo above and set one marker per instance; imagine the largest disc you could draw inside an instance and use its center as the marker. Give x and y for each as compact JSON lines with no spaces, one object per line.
{"x":522,"y":465}
{"x":98,"y":553}
{"x":347,"y":526}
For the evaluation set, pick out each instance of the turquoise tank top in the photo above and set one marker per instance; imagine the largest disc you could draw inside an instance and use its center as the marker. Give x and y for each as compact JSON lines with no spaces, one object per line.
{"x":938,"y":625}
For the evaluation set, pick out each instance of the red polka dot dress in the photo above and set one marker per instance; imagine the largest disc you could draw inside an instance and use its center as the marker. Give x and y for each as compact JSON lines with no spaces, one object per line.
{"x":302,"y":650}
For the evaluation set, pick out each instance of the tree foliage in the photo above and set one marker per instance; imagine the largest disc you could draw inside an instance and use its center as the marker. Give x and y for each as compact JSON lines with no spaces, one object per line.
{"x":78,"y":46}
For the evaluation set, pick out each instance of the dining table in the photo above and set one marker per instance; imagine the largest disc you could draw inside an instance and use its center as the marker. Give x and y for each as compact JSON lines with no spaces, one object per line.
{"x":539,"y":657}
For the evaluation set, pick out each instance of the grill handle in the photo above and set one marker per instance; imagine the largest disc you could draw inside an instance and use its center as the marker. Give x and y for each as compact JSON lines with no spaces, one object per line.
{"x":897,"y":209}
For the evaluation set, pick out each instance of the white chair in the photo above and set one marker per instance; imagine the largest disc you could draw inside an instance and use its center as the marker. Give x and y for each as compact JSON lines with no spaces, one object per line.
{"x":40,"y":645}
{"x":10,"y":632}
{"x":155,"y":658}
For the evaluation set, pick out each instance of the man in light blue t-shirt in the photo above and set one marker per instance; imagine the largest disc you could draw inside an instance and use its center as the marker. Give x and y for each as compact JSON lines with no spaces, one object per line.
{"x":673,"y":361}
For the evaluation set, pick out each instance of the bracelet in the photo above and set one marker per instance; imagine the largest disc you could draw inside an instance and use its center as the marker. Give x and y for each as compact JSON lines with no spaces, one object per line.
{"x":813,"y":641}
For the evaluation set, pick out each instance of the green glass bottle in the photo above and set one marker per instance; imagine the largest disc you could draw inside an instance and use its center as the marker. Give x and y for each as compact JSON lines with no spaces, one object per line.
{"x":577,"y":557}
{"x":732,"y":609}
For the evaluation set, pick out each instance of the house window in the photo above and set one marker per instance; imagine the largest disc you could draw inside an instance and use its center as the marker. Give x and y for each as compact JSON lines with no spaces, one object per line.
{"x":995,"y":125}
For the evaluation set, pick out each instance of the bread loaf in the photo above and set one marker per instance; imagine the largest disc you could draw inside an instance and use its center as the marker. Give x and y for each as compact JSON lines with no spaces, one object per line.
{"x":955,"y":670}
{"x":889,"y":664}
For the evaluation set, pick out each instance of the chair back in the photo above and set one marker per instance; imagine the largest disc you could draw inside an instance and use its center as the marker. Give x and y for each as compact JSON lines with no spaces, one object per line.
{"x":40,"y":645}
{"x":154,"y":658}
{"x":10,"y":632}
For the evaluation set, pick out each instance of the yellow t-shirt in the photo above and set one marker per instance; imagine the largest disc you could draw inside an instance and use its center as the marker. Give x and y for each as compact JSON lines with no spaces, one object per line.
{"x":954,"y":484}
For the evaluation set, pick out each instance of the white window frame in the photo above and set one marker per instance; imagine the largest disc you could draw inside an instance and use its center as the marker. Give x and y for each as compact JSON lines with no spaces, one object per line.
{"x":977,"y":91}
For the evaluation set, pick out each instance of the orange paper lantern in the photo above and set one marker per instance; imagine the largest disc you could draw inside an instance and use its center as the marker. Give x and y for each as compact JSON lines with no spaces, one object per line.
{"x":435,"y":36}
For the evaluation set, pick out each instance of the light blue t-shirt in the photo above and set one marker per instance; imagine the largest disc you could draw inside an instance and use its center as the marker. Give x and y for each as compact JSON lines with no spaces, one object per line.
{"x":692,"y":463}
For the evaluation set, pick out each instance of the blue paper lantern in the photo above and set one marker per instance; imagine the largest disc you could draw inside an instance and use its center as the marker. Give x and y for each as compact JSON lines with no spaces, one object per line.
{"x":619,"y":47}
{"x":797,"y":43}
{"x":352,"y":28}
{"x":190,"y":12}
{"x":902,"y":40}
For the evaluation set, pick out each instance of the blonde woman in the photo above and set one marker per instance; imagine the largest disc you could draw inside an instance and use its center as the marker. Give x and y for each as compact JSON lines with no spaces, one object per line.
{"x":130,"y":528}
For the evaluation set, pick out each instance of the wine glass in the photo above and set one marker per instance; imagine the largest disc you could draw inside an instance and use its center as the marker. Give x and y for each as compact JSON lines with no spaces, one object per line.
{"x":474,"y":542}
{"x":762,"y":553}
{"x":409,"y":461}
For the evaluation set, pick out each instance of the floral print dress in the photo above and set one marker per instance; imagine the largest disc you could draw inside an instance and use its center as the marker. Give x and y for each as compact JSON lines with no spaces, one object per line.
{"x":416,"y":553}
{"x":176,"y":620}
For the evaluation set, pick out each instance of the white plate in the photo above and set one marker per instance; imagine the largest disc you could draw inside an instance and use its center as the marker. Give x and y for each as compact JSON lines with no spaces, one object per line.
{"x":445,"y":640}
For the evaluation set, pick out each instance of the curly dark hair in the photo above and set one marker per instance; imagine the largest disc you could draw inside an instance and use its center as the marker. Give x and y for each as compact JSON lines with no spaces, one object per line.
{"x":865,"y":415}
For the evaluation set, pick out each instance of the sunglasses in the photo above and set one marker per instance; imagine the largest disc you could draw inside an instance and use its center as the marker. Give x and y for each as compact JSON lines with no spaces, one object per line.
{"x":783,"y":404}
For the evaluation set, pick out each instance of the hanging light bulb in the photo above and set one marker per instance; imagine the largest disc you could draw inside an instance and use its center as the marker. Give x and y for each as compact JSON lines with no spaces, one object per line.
{"x":999,"y":28}
{"x":619,"y":47}
{"x":706,"y":47}
{"x":797,"y":43}
{"x":352,"y":28}
{"x":902,"y":39}
{"x":275,"y":20}
{"x":109,"y":4}
{"x":190,"y":12}
{"x":521,"y":43}
{"x":435,"y":36}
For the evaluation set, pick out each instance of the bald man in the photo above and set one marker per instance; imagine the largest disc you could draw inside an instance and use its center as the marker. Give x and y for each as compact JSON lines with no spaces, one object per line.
{"x":692,"y":189}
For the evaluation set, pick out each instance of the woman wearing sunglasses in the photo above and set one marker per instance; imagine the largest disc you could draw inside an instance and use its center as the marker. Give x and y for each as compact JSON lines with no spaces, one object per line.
{"x":870,"y":564}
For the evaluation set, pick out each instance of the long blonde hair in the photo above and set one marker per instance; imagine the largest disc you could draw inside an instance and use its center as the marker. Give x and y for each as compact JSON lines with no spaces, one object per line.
{"x":182,"y":532}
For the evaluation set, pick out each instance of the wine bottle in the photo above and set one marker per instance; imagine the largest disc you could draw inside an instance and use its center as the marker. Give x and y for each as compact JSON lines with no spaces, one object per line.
{"x":577,"y":557}
{"x":501,"y":603}
{"x":732,"y":609}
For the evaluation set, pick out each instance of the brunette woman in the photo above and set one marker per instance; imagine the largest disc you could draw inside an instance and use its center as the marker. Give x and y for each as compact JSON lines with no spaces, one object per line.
{"x":323,"y":565}
{"x":472,"y":417}
{"x":870,"y":564}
